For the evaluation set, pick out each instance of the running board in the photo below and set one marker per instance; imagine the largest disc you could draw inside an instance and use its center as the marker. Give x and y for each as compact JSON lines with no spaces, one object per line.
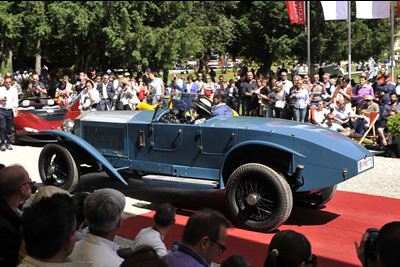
{"x":179,"y":182}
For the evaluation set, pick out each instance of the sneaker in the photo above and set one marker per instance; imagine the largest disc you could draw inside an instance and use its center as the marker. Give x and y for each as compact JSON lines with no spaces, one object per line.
{"x":9,"y":147}
{"x":3,"y":147}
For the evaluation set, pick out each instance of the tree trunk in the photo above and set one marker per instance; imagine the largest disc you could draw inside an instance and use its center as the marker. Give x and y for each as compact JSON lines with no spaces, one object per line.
{"x":203,"y":63}
{"x":38,"y":62}
{"x":6,"y":57}
{"x":6,"y":62}
{"x":165,"y":76}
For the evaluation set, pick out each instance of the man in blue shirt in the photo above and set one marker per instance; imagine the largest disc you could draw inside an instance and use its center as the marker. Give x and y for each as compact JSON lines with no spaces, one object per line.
{"x":203,"y":239}
{"x":220,"y":108}
{"x":383,"y":92}
{"x":156,"y":87}
{"x":176,"y":84}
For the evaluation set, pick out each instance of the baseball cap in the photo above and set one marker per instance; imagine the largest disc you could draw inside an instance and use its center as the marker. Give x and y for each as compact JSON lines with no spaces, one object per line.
{"x":368,"y":97}
{"x":127,"y":74}
{"x":386,"y":75}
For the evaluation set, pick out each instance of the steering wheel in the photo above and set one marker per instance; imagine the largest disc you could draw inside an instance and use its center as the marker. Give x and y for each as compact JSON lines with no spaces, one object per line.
{"x":189,"y":113}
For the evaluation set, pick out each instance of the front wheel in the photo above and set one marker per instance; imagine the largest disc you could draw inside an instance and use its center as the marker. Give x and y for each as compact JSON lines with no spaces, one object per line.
{"x":259,"y":198}
{"x":57,"y":167}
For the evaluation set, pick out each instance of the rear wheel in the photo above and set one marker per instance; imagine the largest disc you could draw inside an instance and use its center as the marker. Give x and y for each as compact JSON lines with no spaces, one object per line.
{"x":57,"y":167}
{"x":259,"y":198}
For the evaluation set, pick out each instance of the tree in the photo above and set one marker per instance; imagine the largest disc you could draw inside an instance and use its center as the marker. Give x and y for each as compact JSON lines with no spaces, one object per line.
{"x":214,"y":27}
{"x":156,"y":34}
{"x":36,"y":29}
{"x":264,"y":33}
{"x":10,"y":29}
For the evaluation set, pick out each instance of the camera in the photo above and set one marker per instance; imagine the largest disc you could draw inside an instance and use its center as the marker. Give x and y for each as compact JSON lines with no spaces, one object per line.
{"x":370,"y":245}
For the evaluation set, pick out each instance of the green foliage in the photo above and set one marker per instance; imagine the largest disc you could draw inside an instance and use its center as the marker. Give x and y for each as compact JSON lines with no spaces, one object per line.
{"x":393,"y":125}
{"x":24,"y":85}
{"x":5,"y":68}
{"x":156,"y":34}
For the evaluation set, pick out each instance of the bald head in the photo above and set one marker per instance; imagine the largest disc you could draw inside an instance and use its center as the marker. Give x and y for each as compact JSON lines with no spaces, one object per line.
{"x":11,"y":178}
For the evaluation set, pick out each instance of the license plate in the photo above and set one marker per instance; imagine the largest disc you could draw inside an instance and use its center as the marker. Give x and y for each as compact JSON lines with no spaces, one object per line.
{"x":365,"y":164}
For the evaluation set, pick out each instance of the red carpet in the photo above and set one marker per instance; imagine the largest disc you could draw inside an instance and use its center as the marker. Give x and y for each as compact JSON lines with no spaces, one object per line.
{"x":331,"y":231}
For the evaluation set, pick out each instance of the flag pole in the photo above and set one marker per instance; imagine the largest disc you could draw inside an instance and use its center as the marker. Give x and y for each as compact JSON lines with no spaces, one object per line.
{"x":392,"y":39}
{"x":308,"y":38}
{"x":349,"y":28}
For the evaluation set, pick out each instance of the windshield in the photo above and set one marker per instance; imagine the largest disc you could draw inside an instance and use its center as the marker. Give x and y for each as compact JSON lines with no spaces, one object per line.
{"x":176,"y":102}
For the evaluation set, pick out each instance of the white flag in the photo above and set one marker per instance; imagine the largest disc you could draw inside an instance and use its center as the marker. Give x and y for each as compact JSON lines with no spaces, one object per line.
{"x":372,"y":9}
{"x":334,"y":10}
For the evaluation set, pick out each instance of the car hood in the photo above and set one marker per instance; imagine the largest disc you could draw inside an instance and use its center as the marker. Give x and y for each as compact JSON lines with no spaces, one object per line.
{"x":303,"y":133}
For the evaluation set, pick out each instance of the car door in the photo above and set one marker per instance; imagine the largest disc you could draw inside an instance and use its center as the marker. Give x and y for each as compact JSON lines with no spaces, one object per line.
{"x":216,"y":140}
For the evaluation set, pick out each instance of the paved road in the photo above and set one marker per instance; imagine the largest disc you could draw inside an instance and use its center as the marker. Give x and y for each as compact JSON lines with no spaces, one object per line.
{"x":140,"y":197}
{"x":383,"y":180}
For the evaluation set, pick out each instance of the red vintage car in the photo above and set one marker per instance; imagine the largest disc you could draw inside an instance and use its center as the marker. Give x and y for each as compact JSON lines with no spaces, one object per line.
{"x":38,"y":114}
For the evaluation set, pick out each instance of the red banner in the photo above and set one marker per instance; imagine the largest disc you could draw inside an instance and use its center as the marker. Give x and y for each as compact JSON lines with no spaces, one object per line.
{"x":398,"y":9}
{"x":296,"y":11}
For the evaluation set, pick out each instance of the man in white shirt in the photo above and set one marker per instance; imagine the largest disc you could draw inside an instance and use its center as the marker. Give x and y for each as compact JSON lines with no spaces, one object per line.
{"x":103,"y":210}
{"x":329,"y":123}
{"x":8,"y":105}
{"x":286,"y":83}
{"x":153,"y":236}
{"x":200,"y":84}
{"x":343,"y":114}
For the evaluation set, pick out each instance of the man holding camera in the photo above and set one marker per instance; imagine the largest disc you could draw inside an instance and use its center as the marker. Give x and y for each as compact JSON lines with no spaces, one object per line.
{"x":317,"y":91}
{"x":36,"y":88}
{"x":176,"y":84}
{"x":380,"y":247}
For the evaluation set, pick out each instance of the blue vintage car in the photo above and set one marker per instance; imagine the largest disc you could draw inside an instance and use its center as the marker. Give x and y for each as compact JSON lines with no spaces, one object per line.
{"x":263,"y":164}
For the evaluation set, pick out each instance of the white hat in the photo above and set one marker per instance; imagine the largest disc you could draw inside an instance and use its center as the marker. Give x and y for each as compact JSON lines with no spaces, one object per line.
{"x":127,"y":74}
{"x":203,"y":103}
{"x":108,"y":71}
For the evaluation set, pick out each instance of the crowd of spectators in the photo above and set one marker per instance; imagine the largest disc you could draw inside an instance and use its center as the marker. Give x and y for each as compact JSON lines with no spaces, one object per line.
{"x":45,"y":233}
{"x":259,"y":94}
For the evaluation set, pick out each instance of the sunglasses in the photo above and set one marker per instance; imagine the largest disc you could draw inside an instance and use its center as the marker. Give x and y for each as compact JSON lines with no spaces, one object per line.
{"x":32,"y":186}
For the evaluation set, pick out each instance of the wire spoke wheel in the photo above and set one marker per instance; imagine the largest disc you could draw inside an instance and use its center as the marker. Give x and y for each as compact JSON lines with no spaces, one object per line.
{"x":57,"y":167}
{"x":259,"y":198}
